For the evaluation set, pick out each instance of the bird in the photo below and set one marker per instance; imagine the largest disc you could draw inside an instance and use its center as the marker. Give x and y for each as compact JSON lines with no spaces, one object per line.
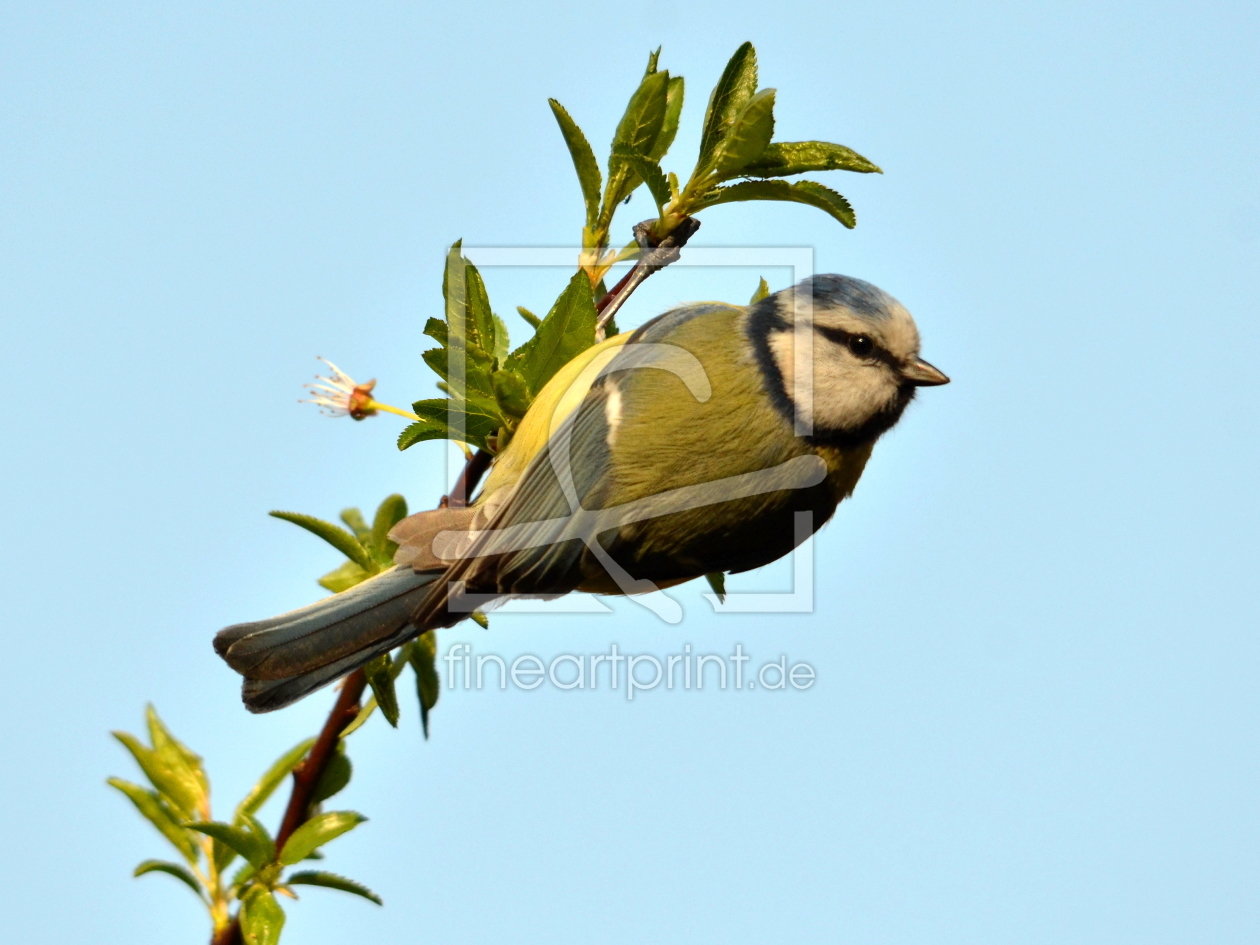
{"x":686,"y":447}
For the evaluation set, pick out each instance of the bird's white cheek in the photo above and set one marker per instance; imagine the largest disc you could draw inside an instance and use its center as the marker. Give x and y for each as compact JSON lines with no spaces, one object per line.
{"x":847,"y":394}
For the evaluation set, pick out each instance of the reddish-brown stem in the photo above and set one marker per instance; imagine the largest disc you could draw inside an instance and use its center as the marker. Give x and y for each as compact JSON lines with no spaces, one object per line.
{"x":306,"y":776}
{"x":466,"y":484}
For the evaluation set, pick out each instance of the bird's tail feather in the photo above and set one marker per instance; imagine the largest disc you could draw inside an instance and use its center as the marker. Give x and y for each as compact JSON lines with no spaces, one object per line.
{"x":287,"y":657}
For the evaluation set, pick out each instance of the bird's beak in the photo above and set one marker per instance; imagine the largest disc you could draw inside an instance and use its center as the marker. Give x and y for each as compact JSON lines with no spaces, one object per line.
{"x":921,"y":374}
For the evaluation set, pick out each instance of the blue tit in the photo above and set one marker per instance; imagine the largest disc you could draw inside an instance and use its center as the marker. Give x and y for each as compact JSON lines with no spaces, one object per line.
{"x":686,"y":447}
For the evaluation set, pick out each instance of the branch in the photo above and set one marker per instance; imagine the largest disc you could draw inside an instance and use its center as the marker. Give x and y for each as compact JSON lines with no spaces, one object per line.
{"x":656,"y":255}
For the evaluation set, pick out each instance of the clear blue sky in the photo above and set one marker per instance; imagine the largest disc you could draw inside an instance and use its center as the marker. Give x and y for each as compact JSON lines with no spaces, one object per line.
{"x":1035,"y":629}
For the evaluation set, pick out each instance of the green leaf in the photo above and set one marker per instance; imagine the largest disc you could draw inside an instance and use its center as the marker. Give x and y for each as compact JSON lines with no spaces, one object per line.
{"x":181,"y":760}
{"x":447,"y":415}
{"x":567,"y":331}
{"x":428,"y":683}
{"x":589,"y":177}
{"x":502,"y":343}
{"x":176,"y":786}
{"x":534,"y":320}
{"x":782,"y":158}
{"x":171,"y":869}
{"x":673,"y":112}
{"x":335,"y":777}
{"x":804,"y":191}
{"x":318,"y":831}
{"x":336,"y":536}
{"x":411,"y":435}
{"x":717,"y":581}
{"x":736,"y":86}
{"x":261,"y":834}
{"x":651,"y":174}
{"x":240,"y":839}
{"x":654,"y":57}
{"x":158,"y":812}
{"x":469,"y":322}
{"x":354,"y":520}
{"x":480,"y":619}
{"x":332,"y":881}
{"x":763,"y":289}
{"x":388,"y":514}
{"x":641,"y":124}
{"x":223,"y":855}
{"x":343,"y":577}
{"x":512,"y":393}
{"x":272,"y":778}
{"x":749,"y":135}
{"x":261,"y":917}
{"x":382,"y":683}
{"x":435,"y":328}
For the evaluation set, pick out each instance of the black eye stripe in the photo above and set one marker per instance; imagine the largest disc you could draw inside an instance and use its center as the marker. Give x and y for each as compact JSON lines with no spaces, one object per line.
{"x":846,"y":338}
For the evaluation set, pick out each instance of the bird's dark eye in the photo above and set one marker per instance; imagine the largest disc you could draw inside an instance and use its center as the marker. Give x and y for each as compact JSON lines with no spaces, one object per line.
{"x":861,"y":346}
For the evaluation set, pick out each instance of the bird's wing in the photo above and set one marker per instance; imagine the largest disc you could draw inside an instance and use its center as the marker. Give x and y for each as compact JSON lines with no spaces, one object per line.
{"x":654,"y":439}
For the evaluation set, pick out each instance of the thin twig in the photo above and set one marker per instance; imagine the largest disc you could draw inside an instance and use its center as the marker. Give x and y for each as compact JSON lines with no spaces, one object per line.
{"x":655,"y":256}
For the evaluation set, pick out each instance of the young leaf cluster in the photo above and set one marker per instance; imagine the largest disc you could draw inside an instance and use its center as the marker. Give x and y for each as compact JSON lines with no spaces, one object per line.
{"x":177,"y":803}
{"x":369,"y":551}
{"x":488,"y":387}
{"x":736,"y":145}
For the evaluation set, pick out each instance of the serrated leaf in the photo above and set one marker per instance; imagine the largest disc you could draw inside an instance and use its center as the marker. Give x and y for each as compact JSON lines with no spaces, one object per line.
{"x":533,"y":320}
{"x":332,"y":881}
{"x":589,"y":177}
{"x":748,"y":136}
{"x":673,"y":112}
{"x":159,"y":814}
{"x":335,"y":535}
{"x":502,"y":342}
{"x":336,"y":775}
{"x":717,"y":581}
{"x":318,"y":831}
{"x":447,"y":415}
{"x":644,"y":116}
{"x":568,"y":330}
{"x":355,"y":522}
{"x":511,"y":392}
{"x":481,"y":319}
{"x":389,"y":513}
{"x":733,"y":90}
{"x":763,"y":289}
{"x":171,"y":869}
{"x":469,"y":322}
{"x":428,"y":683}
{"x":343,"y":577}
{"x":179,"y":789}
{"x":240,"y":839}
{"x":272,"y":778}
{"x":435,"y":328}
{"x":382,"y":683}
{"x":782,"y":158}
{"x":411,"y":435}
{"x":262,"y":835}
{"x":261,"y":917}
{"x":651,"y":174}
{"x":184,"y":763}
{"x":805,"y":191}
